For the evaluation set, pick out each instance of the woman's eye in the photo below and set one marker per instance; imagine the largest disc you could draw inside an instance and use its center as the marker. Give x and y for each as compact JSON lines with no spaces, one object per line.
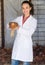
{"x":26,"y":7}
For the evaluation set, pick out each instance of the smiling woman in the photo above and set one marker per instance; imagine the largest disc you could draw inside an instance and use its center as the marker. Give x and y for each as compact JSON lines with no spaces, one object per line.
{"x":23,"y":44}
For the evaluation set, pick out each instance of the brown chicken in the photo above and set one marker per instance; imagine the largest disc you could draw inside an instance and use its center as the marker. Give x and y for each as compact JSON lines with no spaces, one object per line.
{"x":13,"y":26}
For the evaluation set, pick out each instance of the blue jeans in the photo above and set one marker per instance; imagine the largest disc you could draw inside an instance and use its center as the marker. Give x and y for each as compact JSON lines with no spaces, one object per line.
{"x":16,"y":62}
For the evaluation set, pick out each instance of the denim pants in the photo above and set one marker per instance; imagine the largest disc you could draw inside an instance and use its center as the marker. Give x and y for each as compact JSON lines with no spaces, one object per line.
{"x":16,"y":62}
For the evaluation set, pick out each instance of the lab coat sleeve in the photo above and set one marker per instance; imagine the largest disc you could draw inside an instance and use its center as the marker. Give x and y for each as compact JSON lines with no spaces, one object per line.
{"x":29,"y":31}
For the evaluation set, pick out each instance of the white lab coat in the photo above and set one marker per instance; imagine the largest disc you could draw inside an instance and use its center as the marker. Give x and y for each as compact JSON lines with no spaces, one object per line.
{"x":23,"y":45}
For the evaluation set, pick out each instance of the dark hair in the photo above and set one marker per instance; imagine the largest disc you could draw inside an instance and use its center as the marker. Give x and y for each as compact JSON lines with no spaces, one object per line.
{"x":31,"y":5}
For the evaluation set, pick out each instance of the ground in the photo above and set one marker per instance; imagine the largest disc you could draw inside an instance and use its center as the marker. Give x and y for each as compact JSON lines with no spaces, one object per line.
{"x":39,"y":56}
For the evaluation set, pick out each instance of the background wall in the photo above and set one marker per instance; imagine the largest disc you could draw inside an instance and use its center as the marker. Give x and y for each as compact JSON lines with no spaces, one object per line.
{"x":39,"y":36}
{"x":12,"y":9}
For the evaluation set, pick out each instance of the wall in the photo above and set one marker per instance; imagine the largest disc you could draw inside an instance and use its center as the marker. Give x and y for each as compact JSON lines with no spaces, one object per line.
{"x":39,"y":36}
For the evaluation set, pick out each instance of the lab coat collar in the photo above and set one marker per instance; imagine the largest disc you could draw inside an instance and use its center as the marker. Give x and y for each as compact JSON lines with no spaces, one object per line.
{"x":29,"y":18}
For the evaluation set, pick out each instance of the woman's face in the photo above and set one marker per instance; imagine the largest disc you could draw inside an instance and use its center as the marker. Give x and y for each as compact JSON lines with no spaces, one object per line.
{"x":26,"y":9}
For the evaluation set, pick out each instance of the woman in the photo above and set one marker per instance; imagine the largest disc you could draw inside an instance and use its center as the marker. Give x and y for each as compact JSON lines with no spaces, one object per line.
{"x":23,"y":45}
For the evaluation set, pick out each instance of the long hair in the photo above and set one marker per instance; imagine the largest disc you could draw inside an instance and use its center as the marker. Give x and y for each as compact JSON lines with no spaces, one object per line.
{"x":31,"y":5}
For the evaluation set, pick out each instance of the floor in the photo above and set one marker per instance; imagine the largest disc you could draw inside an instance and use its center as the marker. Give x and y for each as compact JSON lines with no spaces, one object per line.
{"x":39,"y":56}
